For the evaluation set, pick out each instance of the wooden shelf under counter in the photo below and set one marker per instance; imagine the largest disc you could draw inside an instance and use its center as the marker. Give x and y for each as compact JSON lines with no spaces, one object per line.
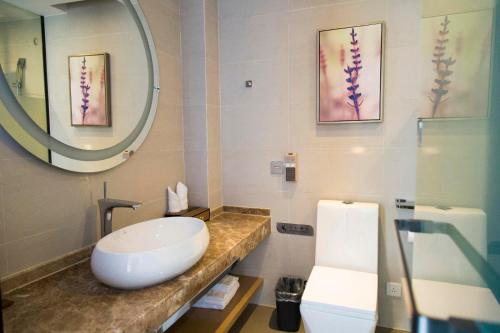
{"x":198,"y":320}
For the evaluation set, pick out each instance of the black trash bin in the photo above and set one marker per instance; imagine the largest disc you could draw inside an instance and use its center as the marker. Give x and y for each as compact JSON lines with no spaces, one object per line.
{"x":289,"y":291}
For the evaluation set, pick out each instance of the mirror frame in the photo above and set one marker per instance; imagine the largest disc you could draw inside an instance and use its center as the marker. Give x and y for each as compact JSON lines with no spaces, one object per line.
{"x":103,"y":159}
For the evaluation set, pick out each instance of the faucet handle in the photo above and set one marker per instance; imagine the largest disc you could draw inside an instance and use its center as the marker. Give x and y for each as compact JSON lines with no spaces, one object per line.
{"x":105,"y":189}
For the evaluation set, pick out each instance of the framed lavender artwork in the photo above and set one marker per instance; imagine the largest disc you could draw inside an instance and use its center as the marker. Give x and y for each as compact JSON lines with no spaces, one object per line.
{"x":456,"y":64}
{"x":349,"y":69}
{"x":89,"y":90}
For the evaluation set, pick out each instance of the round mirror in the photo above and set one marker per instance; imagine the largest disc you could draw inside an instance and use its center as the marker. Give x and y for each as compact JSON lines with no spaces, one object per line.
{"x":78,"y":80}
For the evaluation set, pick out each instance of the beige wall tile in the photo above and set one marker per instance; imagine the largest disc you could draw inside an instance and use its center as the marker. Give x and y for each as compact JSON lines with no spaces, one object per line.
{"x":193,"y":28}
{"x":134,"y":181}
{"x":270,"y":83}
{"x":212,"y":37}
{"x":402,"y":14}
{"x":213,"y":126}
{"x":255,"y":127}
{"x":171,"y":78}
{"x":172,"y":5}
{"x":3,"y":261}
{"x":308,"y":135}
{"x":212,"y":76}
{"x":43,"y":247}
{"x":8,"y":148}
{"x":214,"y":169}
{"x":268,"y":35}
{"x":194,"y":80}
{"x":197,"y":177}
{"x":2,"y":215}
{"x":165,"y":25}
{"x":195,"y":128}
{"x":243,"y":8}
{"x":302,"y":4}
{"x":27,"y":212}
{"x":215,"y":199}
{"x":212,"y":9}
{"x":166,"y":130}
{"x":199,"y":199}
{"x":249,"y":172}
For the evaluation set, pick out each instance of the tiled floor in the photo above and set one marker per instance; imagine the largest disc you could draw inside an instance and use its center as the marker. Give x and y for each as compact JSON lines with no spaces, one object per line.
{"x":258,"y":319}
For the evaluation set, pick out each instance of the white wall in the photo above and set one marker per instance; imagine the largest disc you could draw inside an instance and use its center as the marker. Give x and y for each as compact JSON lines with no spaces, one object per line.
{"x":273,"y":43}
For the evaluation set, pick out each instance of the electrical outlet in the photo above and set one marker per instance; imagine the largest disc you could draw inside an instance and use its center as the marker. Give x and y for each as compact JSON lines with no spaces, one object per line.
{"x":393,"y":289}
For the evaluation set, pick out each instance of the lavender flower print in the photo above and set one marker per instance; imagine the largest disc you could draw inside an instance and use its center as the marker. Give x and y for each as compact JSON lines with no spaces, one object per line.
{"x":85,"y":90}
{"x":89,"y":87}
{"x":353,"y":75}
{"x":349,"y":74}
{"x":443,"y":65}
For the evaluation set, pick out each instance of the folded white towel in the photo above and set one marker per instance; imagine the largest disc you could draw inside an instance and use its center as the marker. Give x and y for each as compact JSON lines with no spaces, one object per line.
{"x":217,"y":299}
{"x":182,"y":193}
{"x":226,"y":283}
{"x":174,"y":204}
{"x":220,"y":297}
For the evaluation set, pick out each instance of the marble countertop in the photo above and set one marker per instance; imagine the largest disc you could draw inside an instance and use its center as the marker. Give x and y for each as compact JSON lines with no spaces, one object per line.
{"x":74,"y":301}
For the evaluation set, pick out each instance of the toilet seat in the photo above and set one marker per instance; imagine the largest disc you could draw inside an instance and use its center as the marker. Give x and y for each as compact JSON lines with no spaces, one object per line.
{"x":342,"y":292}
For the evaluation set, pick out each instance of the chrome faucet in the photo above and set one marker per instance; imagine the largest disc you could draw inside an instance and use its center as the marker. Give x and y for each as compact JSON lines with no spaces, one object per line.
{"x":106,"y":209}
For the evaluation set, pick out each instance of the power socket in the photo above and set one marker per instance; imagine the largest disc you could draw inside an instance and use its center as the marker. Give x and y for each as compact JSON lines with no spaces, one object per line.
{"x":393,"y":289}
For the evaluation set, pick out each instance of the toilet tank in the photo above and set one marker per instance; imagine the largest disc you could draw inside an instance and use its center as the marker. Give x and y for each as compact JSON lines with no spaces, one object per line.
{"x":347,"y":235}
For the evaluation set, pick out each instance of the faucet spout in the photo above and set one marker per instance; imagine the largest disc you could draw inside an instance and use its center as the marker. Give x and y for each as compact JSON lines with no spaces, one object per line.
{"x":106,"y":207}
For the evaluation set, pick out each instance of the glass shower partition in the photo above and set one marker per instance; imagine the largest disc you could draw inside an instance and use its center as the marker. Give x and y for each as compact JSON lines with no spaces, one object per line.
{"x":451,"y":249}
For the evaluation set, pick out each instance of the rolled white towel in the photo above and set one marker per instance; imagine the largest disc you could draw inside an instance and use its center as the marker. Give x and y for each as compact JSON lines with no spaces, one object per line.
{"x":182,"y":193}
{"x":174,"y":204}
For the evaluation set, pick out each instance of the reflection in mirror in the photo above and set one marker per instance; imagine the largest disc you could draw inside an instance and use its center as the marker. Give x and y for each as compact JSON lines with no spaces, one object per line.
{"x":89,"y":28}
{"x":21,"y":56}
{"x":97,"y":83}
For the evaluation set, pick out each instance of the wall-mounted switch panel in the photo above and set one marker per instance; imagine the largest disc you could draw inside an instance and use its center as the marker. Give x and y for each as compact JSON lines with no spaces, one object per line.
{"x":295,"y":229}
{"x":291,"y":167}
{"x":393,"y":289}
{"x":276,"y":167}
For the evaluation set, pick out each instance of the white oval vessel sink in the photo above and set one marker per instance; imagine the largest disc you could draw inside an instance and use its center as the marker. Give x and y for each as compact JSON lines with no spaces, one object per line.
{"x":150,"y":252}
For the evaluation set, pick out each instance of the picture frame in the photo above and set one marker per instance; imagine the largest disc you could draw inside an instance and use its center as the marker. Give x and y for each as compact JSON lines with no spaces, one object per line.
{"x":89,"y":87}
{"x":342,"y":61}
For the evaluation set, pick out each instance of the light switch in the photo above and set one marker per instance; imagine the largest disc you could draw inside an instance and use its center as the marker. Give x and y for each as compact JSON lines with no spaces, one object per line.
{"x":276,"y":167}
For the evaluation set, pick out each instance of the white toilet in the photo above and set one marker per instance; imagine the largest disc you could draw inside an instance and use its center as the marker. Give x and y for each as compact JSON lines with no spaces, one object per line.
{"x":341,"y":292}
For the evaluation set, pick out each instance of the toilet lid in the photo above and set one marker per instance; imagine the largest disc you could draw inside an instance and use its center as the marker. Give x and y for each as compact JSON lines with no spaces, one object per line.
{"x":342,"y":291}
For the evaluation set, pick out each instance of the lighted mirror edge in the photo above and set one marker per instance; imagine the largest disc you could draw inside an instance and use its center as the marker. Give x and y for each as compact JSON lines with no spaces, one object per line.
{"x":113,"y":154}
